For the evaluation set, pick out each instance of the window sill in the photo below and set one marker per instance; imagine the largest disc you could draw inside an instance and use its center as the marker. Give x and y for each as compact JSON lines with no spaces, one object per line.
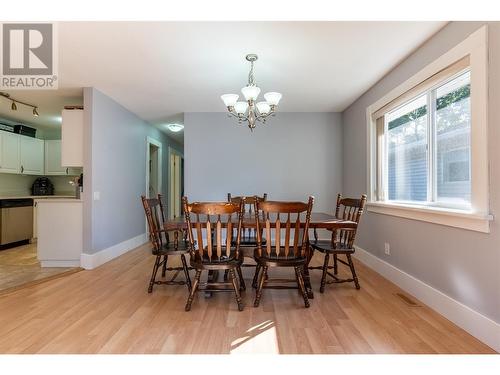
{"x":450,"y":217}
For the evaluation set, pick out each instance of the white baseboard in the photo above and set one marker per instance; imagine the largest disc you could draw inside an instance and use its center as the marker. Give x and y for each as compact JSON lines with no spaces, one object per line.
{"x":479,"y":326}
{"x":91,"y":261}
{"x":60,"y":263}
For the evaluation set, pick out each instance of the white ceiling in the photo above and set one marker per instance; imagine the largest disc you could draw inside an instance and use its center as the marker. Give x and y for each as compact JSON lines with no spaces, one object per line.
{"x":160,"y":70}
{"x":50,"y":104}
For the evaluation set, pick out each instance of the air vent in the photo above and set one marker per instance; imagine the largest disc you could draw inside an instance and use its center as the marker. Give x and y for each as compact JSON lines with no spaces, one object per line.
{"x":407,"y":300}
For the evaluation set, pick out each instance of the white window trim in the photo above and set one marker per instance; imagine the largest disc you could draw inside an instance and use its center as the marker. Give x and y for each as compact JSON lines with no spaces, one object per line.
{"x":478,"y":218}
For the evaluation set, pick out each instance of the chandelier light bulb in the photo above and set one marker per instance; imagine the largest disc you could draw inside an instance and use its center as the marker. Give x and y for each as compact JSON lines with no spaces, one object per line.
{"x":240,"y":107}
{"x":273,"y":98}
{"x":229,"y":99}
{"x":263,"y":107}
{"x":250,"y":92}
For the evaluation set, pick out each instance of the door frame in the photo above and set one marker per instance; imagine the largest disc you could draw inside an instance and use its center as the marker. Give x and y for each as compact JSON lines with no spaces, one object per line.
{"x":156,"y":143}
{"x":172,"y":151}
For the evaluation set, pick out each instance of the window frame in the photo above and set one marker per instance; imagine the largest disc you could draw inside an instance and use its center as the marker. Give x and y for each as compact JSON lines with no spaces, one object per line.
{"x":477,"y":217}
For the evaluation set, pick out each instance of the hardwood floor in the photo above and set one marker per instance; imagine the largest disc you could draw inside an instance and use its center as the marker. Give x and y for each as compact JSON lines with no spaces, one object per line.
{"x":107,"y":310}
{"x":20,"y":266}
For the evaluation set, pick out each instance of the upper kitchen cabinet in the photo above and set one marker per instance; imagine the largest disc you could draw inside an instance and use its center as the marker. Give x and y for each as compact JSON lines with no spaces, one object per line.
{"x":72,"y":138}
{"x":32,"y":155}
{"x":53,"y":165}
{"x":9,"y":153}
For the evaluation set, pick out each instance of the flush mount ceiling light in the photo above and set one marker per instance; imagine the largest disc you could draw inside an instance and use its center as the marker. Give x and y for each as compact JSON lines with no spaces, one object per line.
{"x":175,"y":127}
{"x":14,"y":103}
{"x":250,"y":110}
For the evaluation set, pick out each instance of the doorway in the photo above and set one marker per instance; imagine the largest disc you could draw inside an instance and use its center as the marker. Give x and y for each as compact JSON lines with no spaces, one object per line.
{"x":153,"y":167}
{"x":176,"y":182}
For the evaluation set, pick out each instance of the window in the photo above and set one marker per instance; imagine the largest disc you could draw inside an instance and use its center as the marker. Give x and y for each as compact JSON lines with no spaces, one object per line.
{"x":427,"y":142}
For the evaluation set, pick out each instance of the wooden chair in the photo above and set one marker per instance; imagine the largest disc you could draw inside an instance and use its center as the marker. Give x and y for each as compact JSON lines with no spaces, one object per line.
{"x":292,"y":218}
{"x":215,"y":249}
{"x":341,"y":243}
{"x":248,"y":236}
{"x":164,"y":244}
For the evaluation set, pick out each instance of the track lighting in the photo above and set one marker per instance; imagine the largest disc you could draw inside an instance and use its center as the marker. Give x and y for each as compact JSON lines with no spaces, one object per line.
{"x":15,"y":102}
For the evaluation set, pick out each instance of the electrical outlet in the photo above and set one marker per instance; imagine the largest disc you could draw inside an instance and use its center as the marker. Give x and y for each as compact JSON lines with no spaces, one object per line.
{"x":387,"y":249}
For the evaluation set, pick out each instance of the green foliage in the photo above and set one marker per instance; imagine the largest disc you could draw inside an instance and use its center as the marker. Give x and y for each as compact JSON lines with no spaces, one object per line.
{"x":442,"y":102}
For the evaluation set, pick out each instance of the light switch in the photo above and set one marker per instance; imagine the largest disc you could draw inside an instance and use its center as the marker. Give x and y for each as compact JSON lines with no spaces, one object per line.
{"x":97,"y":195}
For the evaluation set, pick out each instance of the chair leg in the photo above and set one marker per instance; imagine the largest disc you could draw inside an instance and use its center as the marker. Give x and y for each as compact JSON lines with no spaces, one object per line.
{"x":354,"y":276}
{"x":325,"y":270}
{"x":225,"y":275}
{"x":243,"y":287}
{"x":256,"y":276}
{"x":262,"y":279}
{"x":153,"y":275}
{"x":335,"y":266}
{"x":186,"y":272}
{"x":164,"y":267}
{"x":298,"y":272}
{"x":193,"y":290}
{"x":232,"y":275}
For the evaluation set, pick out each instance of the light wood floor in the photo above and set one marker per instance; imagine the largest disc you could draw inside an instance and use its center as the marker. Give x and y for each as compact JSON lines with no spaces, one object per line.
{"x":107,"y":310}
{"x":19,"y":266}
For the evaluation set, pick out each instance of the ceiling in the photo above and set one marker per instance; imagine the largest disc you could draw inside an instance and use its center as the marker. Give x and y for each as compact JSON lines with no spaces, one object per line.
{"x":50,"y":104}
{"x":159,"y":70}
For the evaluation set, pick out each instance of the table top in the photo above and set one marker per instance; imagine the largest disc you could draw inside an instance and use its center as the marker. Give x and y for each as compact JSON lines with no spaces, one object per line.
{"x":319,"y":220}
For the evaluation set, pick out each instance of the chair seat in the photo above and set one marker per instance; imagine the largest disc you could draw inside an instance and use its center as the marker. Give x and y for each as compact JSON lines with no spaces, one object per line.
{"x":327,"y":246}
{"x":215,"y":262}
{"x":171,"y":249}
{"x":278,"y":259}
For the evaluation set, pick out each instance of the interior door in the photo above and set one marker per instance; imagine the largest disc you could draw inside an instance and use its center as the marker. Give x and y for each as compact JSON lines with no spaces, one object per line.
{"x":175,"y":185}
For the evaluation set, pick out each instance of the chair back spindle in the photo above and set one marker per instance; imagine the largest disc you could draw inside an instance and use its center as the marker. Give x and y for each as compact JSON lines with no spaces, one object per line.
{"x":286,"y":227}
{"x":348,"y":209}
{"x":210,"y":229}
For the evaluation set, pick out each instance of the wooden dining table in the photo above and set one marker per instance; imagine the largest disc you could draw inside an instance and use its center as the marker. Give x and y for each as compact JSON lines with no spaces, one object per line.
{"x":319,"y":220}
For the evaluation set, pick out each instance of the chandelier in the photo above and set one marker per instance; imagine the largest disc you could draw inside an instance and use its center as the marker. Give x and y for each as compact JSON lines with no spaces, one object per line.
{"x":250,"y":110}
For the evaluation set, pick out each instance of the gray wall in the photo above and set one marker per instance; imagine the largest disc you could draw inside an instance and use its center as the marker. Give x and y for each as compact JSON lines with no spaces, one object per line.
{"x":291,"y":157}
{"x":115,"y":165}
{"x":463,"y":264}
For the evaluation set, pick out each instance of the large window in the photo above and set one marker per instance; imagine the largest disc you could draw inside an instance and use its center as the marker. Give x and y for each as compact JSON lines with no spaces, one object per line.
{"x":427,"y":139}
{"x":428,"y":142}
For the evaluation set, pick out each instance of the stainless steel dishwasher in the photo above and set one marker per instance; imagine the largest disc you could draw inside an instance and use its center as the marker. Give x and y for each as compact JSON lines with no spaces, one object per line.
{"x":16,"y":220}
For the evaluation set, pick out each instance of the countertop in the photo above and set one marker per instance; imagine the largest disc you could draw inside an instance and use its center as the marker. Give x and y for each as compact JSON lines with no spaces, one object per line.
{"x":57,"y":200}
{"x":12,"y":196}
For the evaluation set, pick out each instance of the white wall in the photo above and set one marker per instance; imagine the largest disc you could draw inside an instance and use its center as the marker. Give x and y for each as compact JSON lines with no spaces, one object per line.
{"x":291,"y":157}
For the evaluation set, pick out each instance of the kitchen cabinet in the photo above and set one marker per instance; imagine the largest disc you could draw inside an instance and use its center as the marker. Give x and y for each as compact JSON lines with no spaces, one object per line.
{"x":31,"y":151}
{"x":53,"y":165}
{"x":72,"y":138}
{"x":9,"y":153}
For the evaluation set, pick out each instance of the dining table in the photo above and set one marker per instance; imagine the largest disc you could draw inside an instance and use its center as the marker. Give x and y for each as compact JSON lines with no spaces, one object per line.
{"x":319,"y":220}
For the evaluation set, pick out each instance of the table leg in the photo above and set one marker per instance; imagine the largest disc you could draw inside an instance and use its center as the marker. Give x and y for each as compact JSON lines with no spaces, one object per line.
{"x":307,"y":278}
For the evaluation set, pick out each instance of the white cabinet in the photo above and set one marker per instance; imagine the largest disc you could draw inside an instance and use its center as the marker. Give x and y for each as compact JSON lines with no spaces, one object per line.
{"x":72,"y":138}
{"x":9,"y":153}
{"x":53,"y":165}
{"x":31,"y":151}
{"x":53,"y":158}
